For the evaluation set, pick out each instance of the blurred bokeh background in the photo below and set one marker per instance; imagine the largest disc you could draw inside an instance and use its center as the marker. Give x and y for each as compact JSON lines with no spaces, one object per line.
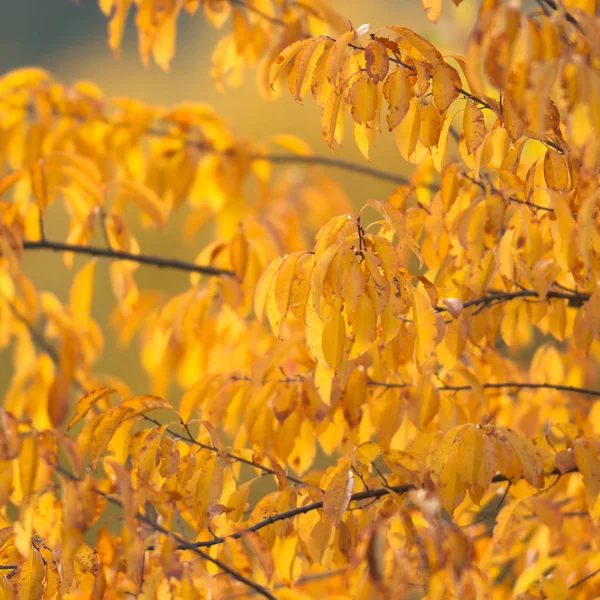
{"x":69,"y":39}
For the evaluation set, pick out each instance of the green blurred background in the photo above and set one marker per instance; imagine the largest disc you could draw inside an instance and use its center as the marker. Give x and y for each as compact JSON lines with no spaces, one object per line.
{"x":69,"y":40}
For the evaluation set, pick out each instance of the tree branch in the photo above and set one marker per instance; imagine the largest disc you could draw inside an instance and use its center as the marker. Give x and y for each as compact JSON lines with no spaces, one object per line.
{"x":300,"y":510}
{"x":498,"y":386}
{"x":575,"y":298}
{"x":338,"y":163}
{"x":183,"y":543}
{"x":145,"y":259}
{"x":570,"y":18}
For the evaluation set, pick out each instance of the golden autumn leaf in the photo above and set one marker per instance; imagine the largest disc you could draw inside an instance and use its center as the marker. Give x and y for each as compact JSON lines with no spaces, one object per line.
{"x":363,"y":96}
{"x":27,"y":581}
{"x":473,"y":126}
{"x":426,"y":49}
{"x":446,"y":80}
{"x":87,"y":402}
{"x":334,"y":340}
{"x":398,"y":93}
{"x":336,"y":56}
{"x":338,"y":492}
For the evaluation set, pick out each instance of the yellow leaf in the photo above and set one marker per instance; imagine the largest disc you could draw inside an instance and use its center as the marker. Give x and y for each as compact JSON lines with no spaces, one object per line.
{"x":364,"y":136}
{"x":105,"y":429}
{"x":320,"y":86}
{"x":556,"y":170}
{"x":84,"y":404}
{"x":305,"y":65}
{"x":10,"y":440}
{"x":39,"y":185}
{"x":147,"y":200}
{"x":337,"y":56}
{"x":562,"y":232}
{"x":433,"y":8}
{"x":377,"y":61}
{"x":363,"y":96}
{"x":263,"y":289}
{"x":10,"y":179}
{"x":283,"y":60}
{"x":239,"y":252}
{"x":398,"y":92}
{"x":532,"y":574}
{"x":284,"y":281}
{"x":116,"y":26}
{"x":473,"y":126}
{"x":334,"y":340}
{"x":330,"y":118}
{"x":586,"y":454}
{"x":28,"y":579}
{"x":530,"y":464}
{"x":338,"y":492}
{"x":446,"y":80}
{"x":28,"y":465}
{"x":80,"y":297}
{"x":426,"y":49}
{"x":29,"y":77}
{"x":424,"y":323}
{"x":364,"y":323}
{"x":407,"y":134}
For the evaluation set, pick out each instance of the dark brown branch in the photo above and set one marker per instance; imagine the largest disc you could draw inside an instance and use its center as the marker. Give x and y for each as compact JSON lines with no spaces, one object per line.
{"x":144,"y":259}
{"x":584,"y":579}
{"x":498,"y":386}
{"x":574,"y":298}
{"x":570,"y":18}
{"x":357,"y":497}
{"x":184,"y":544}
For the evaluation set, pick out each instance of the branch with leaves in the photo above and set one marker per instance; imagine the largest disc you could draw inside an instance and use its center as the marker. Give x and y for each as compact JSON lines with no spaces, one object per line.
{"x":328,"y":373}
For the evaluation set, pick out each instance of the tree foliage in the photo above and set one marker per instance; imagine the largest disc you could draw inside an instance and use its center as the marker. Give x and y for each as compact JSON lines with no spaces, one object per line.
{"x":405,"y":405}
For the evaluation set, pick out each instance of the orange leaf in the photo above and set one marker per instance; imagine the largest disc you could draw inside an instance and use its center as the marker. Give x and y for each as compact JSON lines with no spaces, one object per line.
{"x":377,"y":61}
{"x":446,"y":80}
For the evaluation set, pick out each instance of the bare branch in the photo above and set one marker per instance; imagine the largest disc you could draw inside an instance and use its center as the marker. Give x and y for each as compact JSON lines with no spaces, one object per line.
{"x":145,"y":259}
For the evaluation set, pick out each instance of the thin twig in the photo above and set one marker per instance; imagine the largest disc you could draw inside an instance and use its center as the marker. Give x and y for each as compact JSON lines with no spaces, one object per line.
{"x":339,"y":163}
{"x":570,"y":18}
{"x":145,"y":259}
{"x":584,"y":579}
{"x":492,"y":512}
{"x":191,"y":440}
